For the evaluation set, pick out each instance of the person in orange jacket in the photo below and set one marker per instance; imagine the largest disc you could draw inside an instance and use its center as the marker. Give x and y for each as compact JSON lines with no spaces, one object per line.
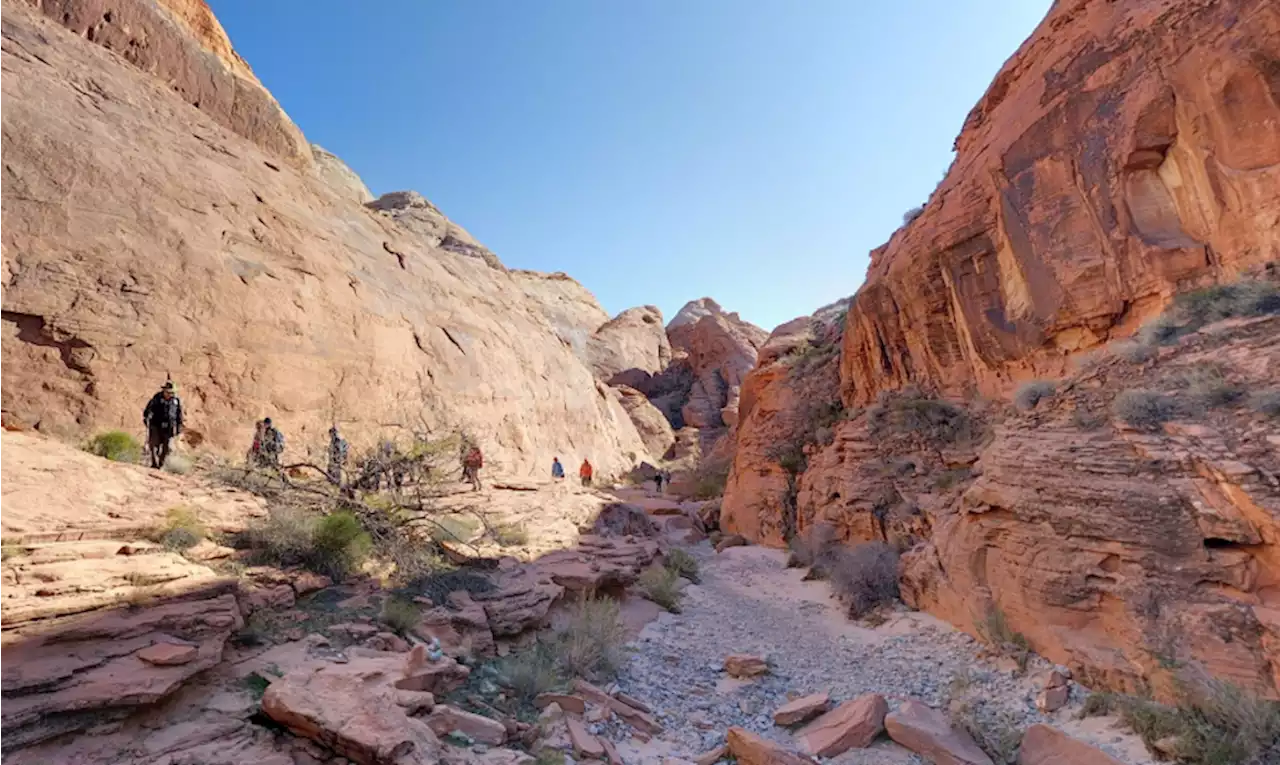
{"x":585,"y":472}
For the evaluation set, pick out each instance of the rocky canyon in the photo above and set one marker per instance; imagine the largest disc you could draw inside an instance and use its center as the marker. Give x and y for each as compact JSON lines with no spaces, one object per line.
{"x":1025,"y":476}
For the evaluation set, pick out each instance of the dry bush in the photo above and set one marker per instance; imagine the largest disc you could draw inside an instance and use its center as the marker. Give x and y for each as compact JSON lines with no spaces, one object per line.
{"x":619,"y":519}
{"x":511,"y":535}
{"x":911,"y":412}
{"x":1132,"y":351}
{"x":662,"y":586}
{"x":531,"y":672}
{"x":177,"y":464}
{"x":1099,"y":704}
{"x":1031,"y":393}
{"x":437,"y":585}
{"x":115,"y":445}
{"x":1266,"y":402}
{"x":682,"y":563}
{"x":710,"y":480}
{"x":182,"y":529}
{"x":811,"y":548}
{"x":1143,"y":409}
{"x":1192,"y":310}
{"x":400,"y":614}
{"x":994,"y":730}
{"x":863,"y":576}
{"x":995,"y":630}
{"x":1208,"y":385}
{"x":590,"y":645}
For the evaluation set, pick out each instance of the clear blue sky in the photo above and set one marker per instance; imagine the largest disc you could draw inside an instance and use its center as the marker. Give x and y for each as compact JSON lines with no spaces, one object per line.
{"x":657,"y":150}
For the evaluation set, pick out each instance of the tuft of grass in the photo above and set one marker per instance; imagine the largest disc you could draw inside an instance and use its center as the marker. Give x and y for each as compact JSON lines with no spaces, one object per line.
{"x":335,"y":545}
{"x":995,"y":630}
{"x":12,"y":550}
{"x":1132,"y":351}
{"x":257,"y":685}
{"x":710,"y":480}
{"x":682,"y":563}
{"x":863,"y":576}
{"x":511,"y":535}
{"x":590,"y":645}
{"x":115,"y":445}
{"x":182,"y":529}
{"x":1099,"y":704}
{"x":1266,"y":402}
{"x":1029,"y":394}
{"x":400,"y":614}
{"x":530,"y":672}
{"x":662,"y":586}
{"x":1143,"y":409}
{"x":1208,"y":385}
{"x":995,"y":731}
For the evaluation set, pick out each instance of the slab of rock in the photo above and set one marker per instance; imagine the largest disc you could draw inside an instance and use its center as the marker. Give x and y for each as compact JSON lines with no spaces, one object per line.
{"x":731,"y":540}
{"x":630,"y":700}
{"x":1052,"y":699}
{"x":641,"y":721}
{"x":749,"y":749}
{"x":711,"y":757}
{"x":351,"y":709}
{"x":852,"y":725}
{"x":611,"y":752}
{"x":743,"y":665}
{"x":1045,"y":745}
{"x":168,"y":654}
{"x":584,"y":744}
{"x":572,"y":704}
{"x":801,"y":709}
{"x":445,"y":719}
{"x":927,"y":732}
{"x":462,"y":628}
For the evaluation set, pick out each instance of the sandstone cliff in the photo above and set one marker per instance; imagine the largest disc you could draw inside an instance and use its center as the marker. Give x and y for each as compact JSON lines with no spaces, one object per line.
{"x":144,"y":237}
{"x":1127,"y":151}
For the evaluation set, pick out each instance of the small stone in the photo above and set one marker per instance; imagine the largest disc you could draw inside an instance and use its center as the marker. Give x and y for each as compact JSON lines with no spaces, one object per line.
{"x":1052,"y":699}
{"x":584,"y":744}
{"x":742,"y":665}
{"x":168,"y":654}
{"x":801,"y":709}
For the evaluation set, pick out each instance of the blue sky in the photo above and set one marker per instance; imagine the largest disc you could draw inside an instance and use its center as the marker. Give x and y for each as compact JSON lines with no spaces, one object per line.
{"x":657,"y":150}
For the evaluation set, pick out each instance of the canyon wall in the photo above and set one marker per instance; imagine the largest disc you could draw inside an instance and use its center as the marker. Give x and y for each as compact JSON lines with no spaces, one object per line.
{"x":146,"y":235}
{"x":1127,"y":152}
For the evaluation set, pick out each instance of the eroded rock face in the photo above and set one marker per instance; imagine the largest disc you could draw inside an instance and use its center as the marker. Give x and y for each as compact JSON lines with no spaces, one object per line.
{"x":265,"y":291}
{"x":334,"y":172}
{"x":1125,"y":152}
{"x":654,"y":429}
{"x":721,"y":351}
{"x":633,"y":342}
{"x":181,"y":43}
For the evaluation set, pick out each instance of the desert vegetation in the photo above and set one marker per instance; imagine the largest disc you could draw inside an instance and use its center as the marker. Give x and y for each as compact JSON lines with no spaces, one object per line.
{"x":115,"y":445}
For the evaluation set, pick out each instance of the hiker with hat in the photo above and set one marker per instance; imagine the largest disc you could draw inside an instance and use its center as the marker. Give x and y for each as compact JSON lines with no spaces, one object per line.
{"x":337,"y":455}
{"x":162,"y":418}
{"x":272,"y":445}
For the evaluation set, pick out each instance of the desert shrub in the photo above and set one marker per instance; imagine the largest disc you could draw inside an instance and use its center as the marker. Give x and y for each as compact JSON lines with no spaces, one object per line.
{"x":454,"y":527}
{"x":400,"y":614}
{"x":864,"y":576}
{"x":1208,"y":385}
{"x":910,"y":412}
{"x":182,"y":529}
{"x":590,"y":644}
{"x":177,"y":464}
{"x":789,"y":455}
{"x":115,"y":445}
{"x":511,"y":535}
{"x":619,"y":519}
{"x":1143,"y":409}
{"x":1192,"y":310}
{"x":912,"y":214}
{"x":1031,"y":393}
{"x":811,"y":548}
{"x":710,"y":480}
{"x":662,"y":586}
{"x":1099,"y":704}
{"x":530,"y":672}
{"x":335,"y":545}
{"x":437,"y":585}
{"x":1266,"y":402}
{"x":948,"y":479}
{"x":995,"y":630}
{"x":994,"y":730}
{"x":682,"y":563}
{"x":549,"y":756}
{"x":1132,"y":351}
{"x":12,"y":550}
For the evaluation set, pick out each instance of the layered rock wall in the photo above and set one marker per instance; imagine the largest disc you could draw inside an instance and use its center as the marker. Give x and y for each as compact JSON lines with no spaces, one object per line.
{"x":1127,"y":151}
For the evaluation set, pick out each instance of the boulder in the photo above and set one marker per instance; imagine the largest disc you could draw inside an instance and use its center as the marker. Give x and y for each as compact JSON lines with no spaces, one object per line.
{"x":1045,"y":745}
{"x":445,"y":719}
{"x":462,"y":627}
{"x":744,"y":665}
{"x":799,"y":710}
{"x":652,"y":425}
{"x":721,"y":350}
{"x":852,"y":725}
{"x":927,"y":732}
{"x":584,"y":744}
{"x":712,"y":756}
{"x":169,"y":654}
{"x":1052,"y":699}
{"x":749,"y":749}
{"x":572,"y":704}
{"x":352,"y":709}
{"x":641,"y":721}
{"x":633,"y":341}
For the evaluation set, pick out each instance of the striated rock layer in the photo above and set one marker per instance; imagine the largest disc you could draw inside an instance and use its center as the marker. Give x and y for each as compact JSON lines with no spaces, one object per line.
{"x":1128,"y":150}
{"x":143,"y":237}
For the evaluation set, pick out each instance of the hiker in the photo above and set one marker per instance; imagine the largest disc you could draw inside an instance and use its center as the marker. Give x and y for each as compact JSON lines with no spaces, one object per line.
{"x":270,"y":445}
{"x":657,"y":481}
{"x":471,"y":464}
{"x":557,"y":470}
{"x":162,"y":418}
{"x":337,"y":455}
{"x":585,"y":472}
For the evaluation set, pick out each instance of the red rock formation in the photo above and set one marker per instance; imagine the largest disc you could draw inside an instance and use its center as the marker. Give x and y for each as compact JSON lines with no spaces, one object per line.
{"x":1128,"y":150}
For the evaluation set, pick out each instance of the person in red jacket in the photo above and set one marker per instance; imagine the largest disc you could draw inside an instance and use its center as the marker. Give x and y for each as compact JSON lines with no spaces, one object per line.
{"x":585,"y":472}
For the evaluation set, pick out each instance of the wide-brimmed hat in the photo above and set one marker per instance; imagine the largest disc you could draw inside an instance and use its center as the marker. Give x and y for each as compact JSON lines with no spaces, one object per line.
{"x":168,"y":385}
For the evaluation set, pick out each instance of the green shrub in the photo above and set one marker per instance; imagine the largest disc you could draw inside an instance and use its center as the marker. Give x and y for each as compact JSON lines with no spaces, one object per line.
{"x":401,"y":614}
{"x":1031,"y":393}
{"x":682,"y":563}
{"x":710,"y":480}
{"x":1143,"y":409}
{"x":994,"y":730}
{"x":182,"y":529}
{"x":335,"y":545}
{"x":531,"y":672}
{"x":662,"y":586}
{"x":340,"y":545}
{"x":1099,"y":704}
{"x":115,"y":445}
{"x":863,"y":576}
{"x":590,"y":645}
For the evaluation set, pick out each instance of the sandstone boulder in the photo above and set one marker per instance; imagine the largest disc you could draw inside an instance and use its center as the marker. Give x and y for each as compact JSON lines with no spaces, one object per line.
{"x":927,"y":732}
{"x":584,"y":744}
{"x":852,"y":725}
{"x":750,"y":749}
{"x":169,"y":654}
{"x":1045,"y":745}
{"x":652,"y":425}
{"x":802,"y":709}
{"x":721,"y":350}
{"x":445,"y":719}
{"x":632,"y":342}
{"x":743,"y":665}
